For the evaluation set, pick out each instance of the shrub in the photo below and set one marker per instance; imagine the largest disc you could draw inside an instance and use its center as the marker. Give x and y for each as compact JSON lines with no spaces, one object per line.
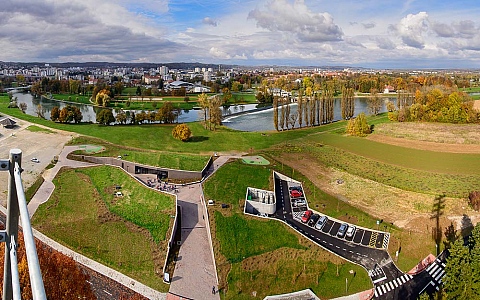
{"x":181,"y":132}
{"x":474,"y":200}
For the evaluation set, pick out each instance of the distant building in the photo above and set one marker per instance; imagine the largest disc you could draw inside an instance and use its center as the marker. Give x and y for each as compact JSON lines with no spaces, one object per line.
{"x":149,"y":79}
{"x":389,"y":89}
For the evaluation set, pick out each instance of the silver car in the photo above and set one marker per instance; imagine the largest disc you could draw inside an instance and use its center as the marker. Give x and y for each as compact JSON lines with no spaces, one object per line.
{"x":321,"y":222}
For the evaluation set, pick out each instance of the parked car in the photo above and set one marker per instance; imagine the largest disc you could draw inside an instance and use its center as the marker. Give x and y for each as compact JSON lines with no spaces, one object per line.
{"x":351,"y":231}
{"x":321,"y":222}
{"x":306,"y":216}
{"x":342,"y":230}
{"x":295,"y":193}
{"x":35,"y":160}
{"x":313,"y":219}
{"x":299,"y":202}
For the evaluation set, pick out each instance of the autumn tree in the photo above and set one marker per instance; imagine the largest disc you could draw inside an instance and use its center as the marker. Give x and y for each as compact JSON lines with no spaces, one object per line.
{"x":121,"y":117}
{"x":358,"y":126}
{"x":102,"y":98}
{"x":203,"y":102}
{"x":166,"y":113}
{"x":374,"y":102}
{"x":105,"y":117}
{"x":275,"y":113}
{"x":226,"y":95}
{"x":300,"y":108}
{"x":348,"y":104}
{"x":214,"y":112}
{"x":55,"y":113}
{"x":181,"y":132}
{"x":62,"y":278}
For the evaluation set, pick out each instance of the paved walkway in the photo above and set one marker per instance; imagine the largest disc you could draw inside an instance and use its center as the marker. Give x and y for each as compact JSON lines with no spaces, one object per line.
{"x":195,"y":274}
{"x":47,"y":187}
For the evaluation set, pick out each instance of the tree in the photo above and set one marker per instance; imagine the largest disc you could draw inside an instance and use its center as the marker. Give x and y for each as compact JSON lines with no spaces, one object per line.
{"x":237,"y":86}
{"x":227,"y":95}
{"x":40,"y":111}
{"x":275,"y":113}
{"x":214,"y":112}
{"x":23,"y":106}
{"x":62,"y":278}
{"x":374,"y":102}
{"x":347,"y":103}
{"x":55,"y":113}
{"x":300,"y":108}
{"x":181,"y":132}
{"x":102,"y":98}
{"x":203,"y":102}
{"x":121,"y":117}
{"x":166,"y":113}
{"x":105,"y":117}
{"x":358,"y":126}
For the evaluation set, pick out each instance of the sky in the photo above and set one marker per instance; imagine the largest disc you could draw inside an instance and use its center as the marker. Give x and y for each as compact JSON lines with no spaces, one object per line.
{"x":359,"y":33}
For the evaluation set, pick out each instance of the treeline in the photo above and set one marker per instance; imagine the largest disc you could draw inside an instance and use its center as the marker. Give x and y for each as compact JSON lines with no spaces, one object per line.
{"x":434,"y":104}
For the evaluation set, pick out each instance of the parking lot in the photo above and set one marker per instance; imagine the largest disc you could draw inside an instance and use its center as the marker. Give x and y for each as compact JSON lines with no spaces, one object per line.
{"x":362,"y":236}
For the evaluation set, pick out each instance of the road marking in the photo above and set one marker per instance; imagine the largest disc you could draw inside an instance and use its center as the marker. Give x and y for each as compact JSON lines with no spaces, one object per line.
{"x":439,"y":276}
{"x":388,"y":287}
{"x":376,"y":293}
{"x":395,"y":283}
{"x":373,"y":239}
{"x":344,"y":249}
{"x":383,"y":289}
{"x":391,"y":285}
{"x":350,"y":251}
{"x":107,"y":293}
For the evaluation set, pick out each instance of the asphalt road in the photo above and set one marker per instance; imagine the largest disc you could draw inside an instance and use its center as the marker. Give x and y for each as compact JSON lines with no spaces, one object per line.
{"x":362,"y":249}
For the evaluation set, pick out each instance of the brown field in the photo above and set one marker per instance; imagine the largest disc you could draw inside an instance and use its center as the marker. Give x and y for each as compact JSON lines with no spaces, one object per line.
{"x":408,"y":210}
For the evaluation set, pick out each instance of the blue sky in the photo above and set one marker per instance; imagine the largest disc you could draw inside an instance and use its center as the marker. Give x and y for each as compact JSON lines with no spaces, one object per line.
{"x":370,"y":33}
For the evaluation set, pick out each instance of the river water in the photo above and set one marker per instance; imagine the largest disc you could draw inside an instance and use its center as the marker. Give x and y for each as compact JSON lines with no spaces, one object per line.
{"x":244,"y":121}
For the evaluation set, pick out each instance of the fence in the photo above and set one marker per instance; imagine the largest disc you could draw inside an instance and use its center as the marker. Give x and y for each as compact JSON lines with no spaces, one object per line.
{"x":17,"y":207}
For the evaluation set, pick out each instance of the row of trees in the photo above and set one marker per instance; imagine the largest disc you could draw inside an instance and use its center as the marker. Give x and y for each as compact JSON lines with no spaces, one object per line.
{"x":166,"y":114}
{"x":211,"y":110}
{"x":67,"y":114}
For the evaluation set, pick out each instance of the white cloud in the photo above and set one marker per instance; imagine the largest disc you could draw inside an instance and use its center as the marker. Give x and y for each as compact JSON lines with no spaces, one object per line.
{"x":297,"y":19}
{"x":209,"y":21}
{"x":412,"y":28}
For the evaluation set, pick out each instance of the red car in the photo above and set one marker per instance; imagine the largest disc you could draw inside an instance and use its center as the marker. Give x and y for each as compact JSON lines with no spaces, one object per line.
{"x":295,"y":194}
{"x":306,"y":216}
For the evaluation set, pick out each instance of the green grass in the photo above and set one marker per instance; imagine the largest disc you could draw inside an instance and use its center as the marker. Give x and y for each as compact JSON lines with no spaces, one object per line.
{"x":408,"y":169}
{"x":72,"y":98}
{"x":30,"y":192}
{"x":288,"y":275}
{"x":178,"y":161}
{"x":230,"y":182}
{"x":470,"y":90}
{"x":139,"y":205}
{"x":34,"y":128}
{"x":73,"y":217}
{"x":241,"y":238}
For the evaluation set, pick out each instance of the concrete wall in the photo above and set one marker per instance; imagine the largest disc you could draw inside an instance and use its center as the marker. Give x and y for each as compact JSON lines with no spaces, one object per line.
{"x":261,"y":200}
{"x":130,"y":167}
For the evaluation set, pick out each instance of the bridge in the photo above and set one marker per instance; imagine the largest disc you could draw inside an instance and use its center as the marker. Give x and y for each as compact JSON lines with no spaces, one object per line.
{"x":18,"y":89}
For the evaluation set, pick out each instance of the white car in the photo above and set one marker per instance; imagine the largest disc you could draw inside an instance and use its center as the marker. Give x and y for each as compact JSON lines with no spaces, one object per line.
{"x":35,"y":160}
{"x":350,"y":231}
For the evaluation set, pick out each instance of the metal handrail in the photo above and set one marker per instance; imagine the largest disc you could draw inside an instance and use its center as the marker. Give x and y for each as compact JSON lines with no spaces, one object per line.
{"x":17,"y":206}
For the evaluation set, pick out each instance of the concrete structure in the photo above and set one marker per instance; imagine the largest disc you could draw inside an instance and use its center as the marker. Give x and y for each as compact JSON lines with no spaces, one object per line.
{"x":300,"y":295}
{"x":259,"y":201}
{"x":136,"y":168}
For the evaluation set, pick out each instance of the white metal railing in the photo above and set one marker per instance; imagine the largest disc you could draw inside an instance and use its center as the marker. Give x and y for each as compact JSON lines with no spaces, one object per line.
{"x":17,"y":207}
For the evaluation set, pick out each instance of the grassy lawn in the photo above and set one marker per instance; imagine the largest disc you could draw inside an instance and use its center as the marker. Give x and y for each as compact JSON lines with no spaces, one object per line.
{"x":254,"y":253}
{"x":242,"y":237}
{"x":408,"y":169}
{"x":83,"y":214}
{"x":179,"y":161}
{"x":34,"y":128}
{"x":72,"y":98}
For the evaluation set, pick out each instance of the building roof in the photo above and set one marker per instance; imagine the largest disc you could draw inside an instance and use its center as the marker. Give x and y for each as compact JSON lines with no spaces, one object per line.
{"x":7,"y":122}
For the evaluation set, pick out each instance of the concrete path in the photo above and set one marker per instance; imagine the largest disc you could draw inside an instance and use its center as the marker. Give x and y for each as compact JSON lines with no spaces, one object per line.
{"x":194,"y":275}
{"x":47,"y":187}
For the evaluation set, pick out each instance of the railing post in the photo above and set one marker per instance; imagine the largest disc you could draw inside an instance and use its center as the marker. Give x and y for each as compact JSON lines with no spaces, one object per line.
{"x":12,"y":221}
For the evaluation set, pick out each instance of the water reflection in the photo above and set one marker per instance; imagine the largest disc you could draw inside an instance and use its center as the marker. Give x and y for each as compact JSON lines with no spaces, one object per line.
{"x":263,"y":120}
{"x":89,"y":112}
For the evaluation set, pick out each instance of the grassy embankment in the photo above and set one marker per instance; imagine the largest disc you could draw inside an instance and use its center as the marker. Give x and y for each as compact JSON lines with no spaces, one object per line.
{"x":253,"y":253}
{"x":354,"y":159}
{"x":88,"y":218}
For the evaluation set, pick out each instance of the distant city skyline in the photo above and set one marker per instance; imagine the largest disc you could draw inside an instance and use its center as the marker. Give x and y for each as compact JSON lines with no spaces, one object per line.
{"x":371,"y":33}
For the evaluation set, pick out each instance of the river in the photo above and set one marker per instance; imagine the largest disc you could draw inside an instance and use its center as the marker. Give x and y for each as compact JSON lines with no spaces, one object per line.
{"x":243,"y":119}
